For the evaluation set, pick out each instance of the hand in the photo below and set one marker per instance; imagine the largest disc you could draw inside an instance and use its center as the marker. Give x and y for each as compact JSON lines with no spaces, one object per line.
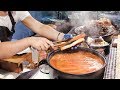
{"x":40,"y":43}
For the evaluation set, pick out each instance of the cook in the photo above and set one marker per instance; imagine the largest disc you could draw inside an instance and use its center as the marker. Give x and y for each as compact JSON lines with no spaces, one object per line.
{"x":8,"y":19}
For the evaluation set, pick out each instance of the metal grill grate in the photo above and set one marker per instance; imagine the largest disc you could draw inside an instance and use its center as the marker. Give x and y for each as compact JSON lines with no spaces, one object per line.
{"x":111,"y":64}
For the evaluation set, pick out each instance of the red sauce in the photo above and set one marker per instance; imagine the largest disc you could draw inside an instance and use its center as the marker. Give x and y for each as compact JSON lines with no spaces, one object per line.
{"x":81,"y":62}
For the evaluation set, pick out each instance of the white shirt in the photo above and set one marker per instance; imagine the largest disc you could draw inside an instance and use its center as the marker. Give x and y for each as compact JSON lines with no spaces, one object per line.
{"x":17,"y":15}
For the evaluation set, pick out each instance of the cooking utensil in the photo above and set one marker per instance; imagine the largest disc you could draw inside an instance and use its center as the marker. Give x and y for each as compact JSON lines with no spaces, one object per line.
{"x":72,"y":44}
{"x":93,"y":75}
{"x":65,"y":42}
{"x":62,"y":45}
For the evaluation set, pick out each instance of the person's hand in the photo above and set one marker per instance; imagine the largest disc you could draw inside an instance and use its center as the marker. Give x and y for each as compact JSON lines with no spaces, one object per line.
{"x":40,"y":43}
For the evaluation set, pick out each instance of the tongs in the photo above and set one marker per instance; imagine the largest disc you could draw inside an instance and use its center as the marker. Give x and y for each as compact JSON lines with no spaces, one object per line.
{"x":62,"y":45}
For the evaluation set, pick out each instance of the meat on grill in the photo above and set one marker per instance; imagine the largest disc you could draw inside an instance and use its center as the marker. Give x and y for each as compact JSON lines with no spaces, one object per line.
{"x":95,"y":28}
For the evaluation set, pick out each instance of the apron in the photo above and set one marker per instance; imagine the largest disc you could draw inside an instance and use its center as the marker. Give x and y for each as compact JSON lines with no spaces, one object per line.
{"x":5,"y":33}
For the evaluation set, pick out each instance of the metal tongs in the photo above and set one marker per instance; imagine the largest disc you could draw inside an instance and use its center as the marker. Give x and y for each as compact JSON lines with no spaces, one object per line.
{"x":62,"y":45}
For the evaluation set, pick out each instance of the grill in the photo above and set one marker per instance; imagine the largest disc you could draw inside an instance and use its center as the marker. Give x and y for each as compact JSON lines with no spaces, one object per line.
{"x":110,"y":70}
{"x":111,"y":64}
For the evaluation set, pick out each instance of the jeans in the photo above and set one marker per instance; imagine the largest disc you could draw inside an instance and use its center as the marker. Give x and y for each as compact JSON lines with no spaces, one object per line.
{"x":21,"y":31}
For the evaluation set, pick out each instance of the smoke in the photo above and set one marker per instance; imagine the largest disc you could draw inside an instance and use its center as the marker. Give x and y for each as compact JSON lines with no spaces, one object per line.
{"x":88,"y":19}
{"x":83,"y":18}
{"x":78,"y":18}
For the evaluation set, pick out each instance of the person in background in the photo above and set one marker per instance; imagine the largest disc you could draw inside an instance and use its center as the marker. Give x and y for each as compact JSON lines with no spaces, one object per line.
{"x":8,"y":19}
{"x":45,"y":17}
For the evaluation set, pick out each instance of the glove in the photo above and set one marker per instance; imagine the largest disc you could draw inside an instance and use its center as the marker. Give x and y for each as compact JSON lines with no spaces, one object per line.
{"x":67,"y":36}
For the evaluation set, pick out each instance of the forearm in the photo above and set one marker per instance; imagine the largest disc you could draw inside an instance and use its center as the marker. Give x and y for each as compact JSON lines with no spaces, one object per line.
{"x":50,"y":33}
{"x":9,"y":49}
{"x":42,"y":29}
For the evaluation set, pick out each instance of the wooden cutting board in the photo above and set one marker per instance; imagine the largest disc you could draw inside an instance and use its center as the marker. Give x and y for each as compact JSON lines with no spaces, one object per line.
{"x":13,"y":64}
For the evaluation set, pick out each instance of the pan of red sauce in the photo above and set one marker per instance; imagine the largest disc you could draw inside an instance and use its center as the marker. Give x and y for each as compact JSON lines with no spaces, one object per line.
{"x":80,"y":63}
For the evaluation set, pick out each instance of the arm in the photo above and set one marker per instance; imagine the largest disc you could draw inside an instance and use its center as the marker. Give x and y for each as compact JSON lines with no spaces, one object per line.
{"x":42,"y":29}
{"x":8,"y":49}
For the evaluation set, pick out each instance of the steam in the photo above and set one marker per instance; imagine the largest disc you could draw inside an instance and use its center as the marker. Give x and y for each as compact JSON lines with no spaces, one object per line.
{"x":79,"y":18}
{"x":83,"y":18}
{"x":85,"y":21}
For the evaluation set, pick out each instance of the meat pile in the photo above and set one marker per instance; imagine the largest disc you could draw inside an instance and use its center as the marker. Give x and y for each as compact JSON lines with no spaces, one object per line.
{"x":95,"y":28}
